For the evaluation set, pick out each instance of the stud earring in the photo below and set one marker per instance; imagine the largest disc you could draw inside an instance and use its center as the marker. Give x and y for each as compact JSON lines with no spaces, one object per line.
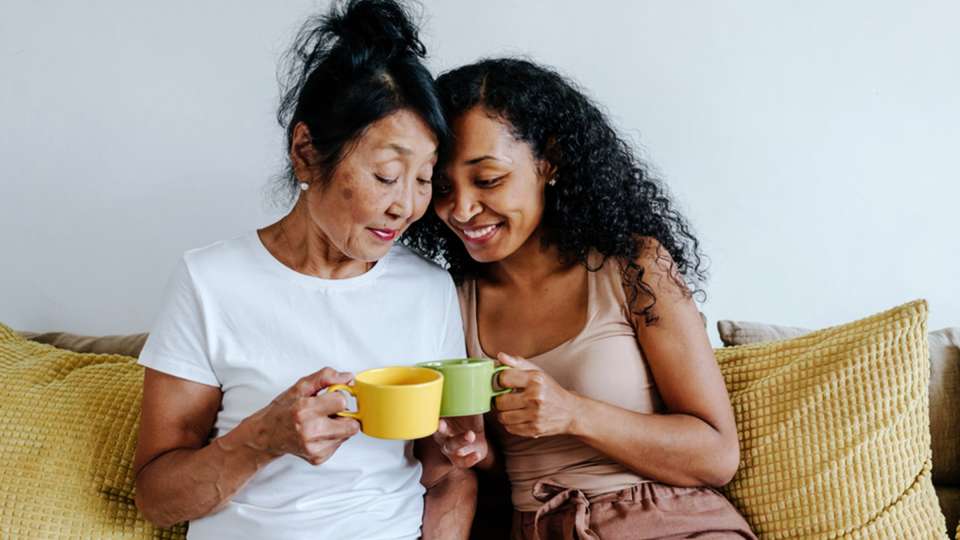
{"x":552,"y":182}
{"x":304,"y":186}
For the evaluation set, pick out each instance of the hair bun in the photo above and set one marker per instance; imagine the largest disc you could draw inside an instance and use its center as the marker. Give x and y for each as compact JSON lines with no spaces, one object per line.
{"x":373,"y":30}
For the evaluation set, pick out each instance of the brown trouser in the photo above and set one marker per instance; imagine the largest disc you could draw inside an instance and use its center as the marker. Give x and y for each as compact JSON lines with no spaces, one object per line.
{"x":644,"y":511}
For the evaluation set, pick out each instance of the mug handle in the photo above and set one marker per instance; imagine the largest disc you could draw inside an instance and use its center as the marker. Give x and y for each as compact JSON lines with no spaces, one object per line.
{"x":498,"y":370}
{"x":349,"y":390}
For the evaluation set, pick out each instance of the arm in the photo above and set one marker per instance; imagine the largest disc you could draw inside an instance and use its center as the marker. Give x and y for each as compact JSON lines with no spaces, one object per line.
{"x":680,"y":449}
{"x":179,"y":476}
{"x":693,"y":444}
{"x":451,"y":498}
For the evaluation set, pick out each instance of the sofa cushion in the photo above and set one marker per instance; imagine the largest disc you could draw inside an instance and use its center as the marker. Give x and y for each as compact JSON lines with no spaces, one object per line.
{"x":834,"y":430}
{"x":68,"y":427}
{"x":944,"y":346}
{"x":945,"y":405}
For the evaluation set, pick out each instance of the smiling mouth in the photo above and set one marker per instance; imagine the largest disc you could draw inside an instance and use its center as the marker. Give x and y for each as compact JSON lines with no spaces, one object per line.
{"x":387,"y":235}
{"x":479,"y":235}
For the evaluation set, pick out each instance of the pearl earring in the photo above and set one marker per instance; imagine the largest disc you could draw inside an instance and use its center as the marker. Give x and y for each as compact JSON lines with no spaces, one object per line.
{"x":552,"y":182}
{"x":304,"y":186}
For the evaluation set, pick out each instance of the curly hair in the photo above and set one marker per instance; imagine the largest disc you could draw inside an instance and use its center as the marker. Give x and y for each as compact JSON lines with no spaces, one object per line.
{"x":604,"y":198}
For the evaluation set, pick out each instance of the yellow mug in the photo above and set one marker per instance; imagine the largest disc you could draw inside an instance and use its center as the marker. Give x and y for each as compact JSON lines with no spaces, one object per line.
{"x":396,"y":402}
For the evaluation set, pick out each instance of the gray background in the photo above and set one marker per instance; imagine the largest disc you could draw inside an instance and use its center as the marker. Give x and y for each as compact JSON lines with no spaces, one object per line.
{"x":813,"y":144}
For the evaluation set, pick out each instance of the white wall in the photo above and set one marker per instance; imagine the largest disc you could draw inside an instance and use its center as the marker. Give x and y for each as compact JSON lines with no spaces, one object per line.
{"x":813,"y":144}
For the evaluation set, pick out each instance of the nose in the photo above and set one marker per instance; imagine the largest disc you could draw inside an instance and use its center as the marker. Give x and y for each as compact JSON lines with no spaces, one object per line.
{"x":465,"y":205}
{"x":403,"y":202}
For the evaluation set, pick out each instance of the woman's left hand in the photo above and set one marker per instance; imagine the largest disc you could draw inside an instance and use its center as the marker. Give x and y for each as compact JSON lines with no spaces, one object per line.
{"x":539,"y":406}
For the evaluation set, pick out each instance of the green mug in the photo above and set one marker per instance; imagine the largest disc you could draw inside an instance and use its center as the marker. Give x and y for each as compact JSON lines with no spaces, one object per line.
{"x":467,"y":385}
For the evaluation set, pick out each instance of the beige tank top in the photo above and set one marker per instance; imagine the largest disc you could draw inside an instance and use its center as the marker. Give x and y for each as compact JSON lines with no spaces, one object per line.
{"x":603,"y":362}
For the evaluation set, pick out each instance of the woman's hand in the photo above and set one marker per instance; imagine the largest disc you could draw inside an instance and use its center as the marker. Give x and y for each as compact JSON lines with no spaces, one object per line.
{"x":301,"y":423}
{"x":462,"y":440}
{"x":539,"y":406}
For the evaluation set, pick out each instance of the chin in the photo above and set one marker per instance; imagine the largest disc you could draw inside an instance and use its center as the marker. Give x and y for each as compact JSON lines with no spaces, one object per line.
{"x":370,"y":253}
{"x":486,"y":255}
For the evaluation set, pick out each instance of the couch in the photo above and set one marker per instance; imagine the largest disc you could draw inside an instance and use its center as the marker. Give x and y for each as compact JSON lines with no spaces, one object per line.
{"x":493,"y":508}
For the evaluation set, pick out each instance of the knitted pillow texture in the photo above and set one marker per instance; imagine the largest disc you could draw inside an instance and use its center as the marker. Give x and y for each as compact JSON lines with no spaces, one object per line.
{"x":834,"y":431}
{"x":68,"y":428}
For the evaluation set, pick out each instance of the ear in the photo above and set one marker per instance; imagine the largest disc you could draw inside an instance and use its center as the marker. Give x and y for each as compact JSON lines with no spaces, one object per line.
{"x":302,"y":154}
{"x":546,"y":165}
{"x":546,"y":169}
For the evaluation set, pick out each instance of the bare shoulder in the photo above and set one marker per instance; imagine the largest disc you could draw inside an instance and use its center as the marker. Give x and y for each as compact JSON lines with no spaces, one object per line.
{"x":653,"y":279}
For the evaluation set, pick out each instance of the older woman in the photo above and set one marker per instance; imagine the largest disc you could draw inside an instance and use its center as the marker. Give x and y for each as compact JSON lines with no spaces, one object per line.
{"x":577,"y":270}
{"x":236,"y":436}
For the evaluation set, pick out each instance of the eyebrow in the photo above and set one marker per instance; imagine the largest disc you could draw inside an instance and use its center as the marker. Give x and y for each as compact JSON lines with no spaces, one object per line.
{"x":476,"y":160}
{"x":404,"y":151}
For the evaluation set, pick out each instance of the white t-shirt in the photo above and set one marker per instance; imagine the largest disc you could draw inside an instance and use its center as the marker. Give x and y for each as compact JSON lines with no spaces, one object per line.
{"x":236,"y":318}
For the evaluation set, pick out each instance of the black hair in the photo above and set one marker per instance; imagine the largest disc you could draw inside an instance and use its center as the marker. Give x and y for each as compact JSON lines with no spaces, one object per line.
{"x":348,"y":68}
{"x":604,"y":198}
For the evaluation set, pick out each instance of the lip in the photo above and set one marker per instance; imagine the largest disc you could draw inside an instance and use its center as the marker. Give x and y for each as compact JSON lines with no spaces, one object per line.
{"x":483,"y":239}
{"x":385,"y":235}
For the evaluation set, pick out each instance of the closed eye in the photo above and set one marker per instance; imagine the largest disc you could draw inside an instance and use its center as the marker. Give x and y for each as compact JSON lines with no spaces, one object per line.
{"x":488,"y":182}
{"x":387,"y":181}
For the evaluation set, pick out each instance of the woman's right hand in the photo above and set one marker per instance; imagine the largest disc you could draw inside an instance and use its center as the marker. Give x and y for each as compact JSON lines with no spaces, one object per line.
{"x":302,"y":423}
{"x":462,"y":440}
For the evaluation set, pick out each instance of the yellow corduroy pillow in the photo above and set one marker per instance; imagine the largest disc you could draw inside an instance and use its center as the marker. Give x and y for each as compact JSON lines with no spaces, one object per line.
{"x":834,"y":431}
{"x":68,"y":428}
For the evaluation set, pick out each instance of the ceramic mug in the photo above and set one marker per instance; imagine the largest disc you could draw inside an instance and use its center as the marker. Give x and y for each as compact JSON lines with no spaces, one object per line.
{"x":468,"y":385}
{"x":396,"y":402}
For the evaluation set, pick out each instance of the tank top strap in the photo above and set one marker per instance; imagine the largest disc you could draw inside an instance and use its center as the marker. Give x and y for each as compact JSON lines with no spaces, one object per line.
{"x":468,"y":312}
{"x":607,"y":285}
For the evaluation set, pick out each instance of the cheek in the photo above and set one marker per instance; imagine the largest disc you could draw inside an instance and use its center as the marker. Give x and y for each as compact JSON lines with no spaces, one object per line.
{"x":345,"y":206}
{"x":442,"y":206}
{"x":361,"y":201}
{"x":536,"y":207}
{"x":421,"y":205}
{"x":364,"y":207}
{"x":525,"y":203}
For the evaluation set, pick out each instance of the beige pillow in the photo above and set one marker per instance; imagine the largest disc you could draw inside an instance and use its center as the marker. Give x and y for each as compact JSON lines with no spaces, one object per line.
{"x":834,"y":431}
{"x":733,"y":333}
{"x":127,"y":345}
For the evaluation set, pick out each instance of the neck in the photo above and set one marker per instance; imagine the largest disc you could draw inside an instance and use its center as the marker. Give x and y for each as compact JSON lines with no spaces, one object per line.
{"x":300,"y":244}
{"x":529,"y":265}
